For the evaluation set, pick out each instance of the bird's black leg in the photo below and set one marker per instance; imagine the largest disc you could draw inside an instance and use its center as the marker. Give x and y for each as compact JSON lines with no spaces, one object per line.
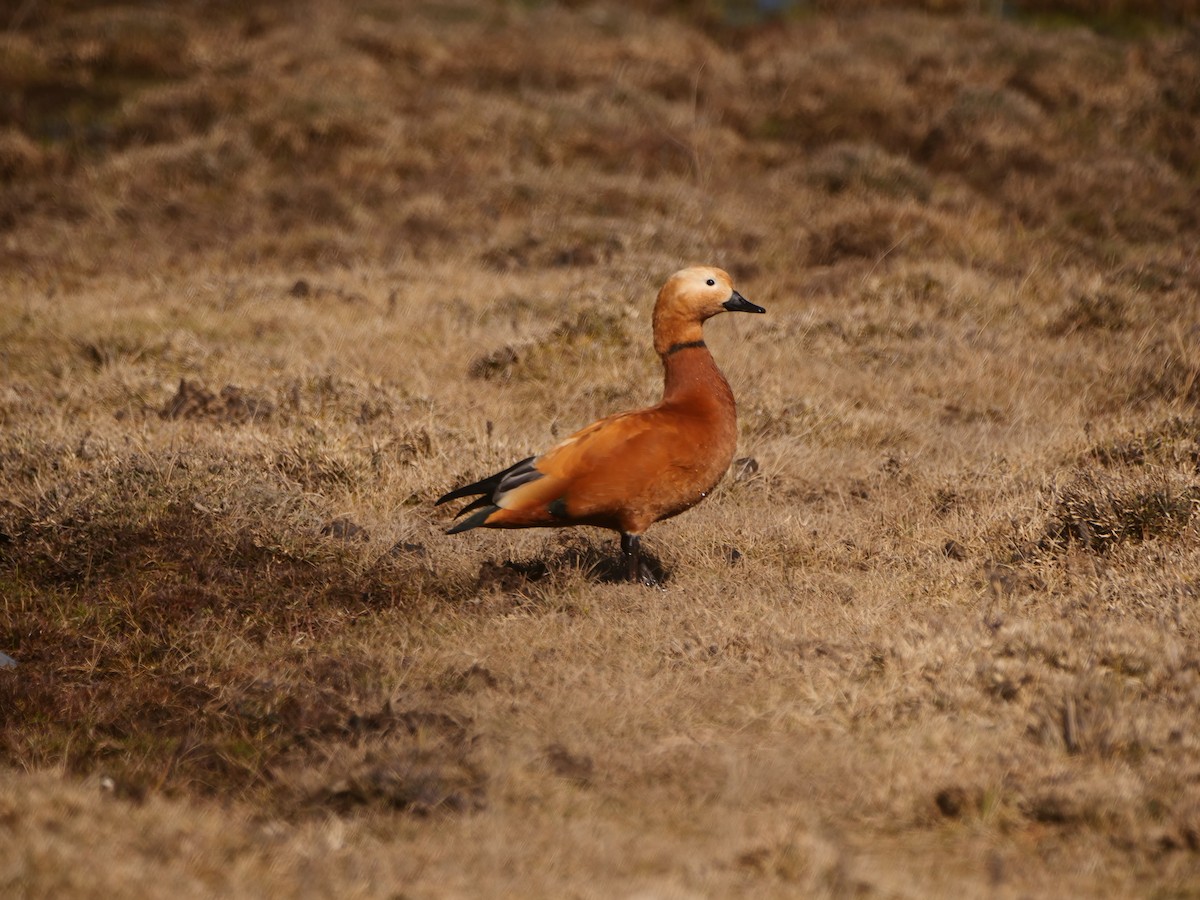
{"x":631,"y":549}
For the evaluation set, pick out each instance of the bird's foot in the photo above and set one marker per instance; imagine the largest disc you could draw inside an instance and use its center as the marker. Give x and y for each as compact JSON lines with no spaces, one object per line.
{"x":646,"y":577}
{"x":637,"y":569}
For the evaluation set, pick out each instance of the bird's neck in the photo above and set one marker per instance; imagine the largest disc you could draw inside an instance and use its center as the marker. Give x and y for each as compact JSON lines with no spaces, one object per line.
{"x":672,"y":328}
{"x":691,"y":377}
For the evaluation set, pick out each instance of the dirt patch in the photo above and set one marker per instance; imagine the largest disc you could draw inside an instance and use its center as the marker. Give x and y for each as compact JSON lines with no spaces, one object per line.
{"x":412,"y":761}
{"x":155,"y":704}
{"x":231,"y":406}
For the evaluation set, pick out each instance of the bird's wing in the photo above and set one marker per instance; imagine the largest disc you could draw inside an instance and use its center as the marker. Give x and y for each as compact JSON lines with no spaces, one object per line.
{"x":551,"y":475}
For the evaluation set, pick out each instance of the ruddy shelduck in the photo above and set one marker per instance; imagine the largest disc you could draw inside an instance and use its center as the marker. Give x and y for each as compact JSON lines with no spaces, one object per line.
{"x":630,"y":470}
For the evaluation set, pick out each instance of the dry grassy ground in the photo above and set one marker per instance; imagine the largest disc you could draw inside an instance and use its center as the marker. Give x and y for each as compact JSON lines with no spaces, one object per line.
{"x":272,"y":279}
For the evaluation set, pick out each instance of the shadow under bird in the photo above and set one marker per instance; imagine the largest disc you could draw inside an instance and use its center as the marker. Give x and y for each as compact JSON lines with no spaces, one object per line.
{"x":630,"y":470}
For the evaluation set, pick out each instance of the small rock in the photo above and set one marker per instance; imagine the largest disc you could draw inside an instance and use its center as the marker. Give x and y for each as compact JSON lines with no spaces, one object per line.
{"x":190,"y":400}
{"x":952,"y":801}
{"x":193,"y":401}
{"x":497,"y":364}
{"x":954,"y":550}
{"x":7,"y":662}
{"x":301,"y":289}
{"x":344,"y":530}
{"x":575,"y":256}
{"x":575,"y":767}
{"x":733,"y":555}
{"x":745,"y":468}
{"x":1053,"y":809}
{"x":240,"y":407}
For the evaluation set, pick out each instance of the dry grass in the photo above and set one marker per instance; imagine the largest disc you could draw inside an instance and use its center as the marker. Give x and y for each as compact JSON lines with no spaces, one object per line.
{"x":271,"y":281}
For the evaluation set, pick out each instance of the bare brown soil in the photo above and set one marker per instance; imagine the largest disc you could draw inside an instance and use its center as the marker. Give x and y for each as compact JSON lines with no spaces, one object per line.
{"x":274,"y":277}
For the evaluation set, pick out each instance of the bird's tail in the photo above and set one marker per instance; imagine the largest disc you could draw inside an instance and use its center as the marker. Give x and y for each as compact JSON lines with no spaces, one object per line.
{"x":485,"y":486}
{"x":476,"y":520}
{"x":485,"y":492}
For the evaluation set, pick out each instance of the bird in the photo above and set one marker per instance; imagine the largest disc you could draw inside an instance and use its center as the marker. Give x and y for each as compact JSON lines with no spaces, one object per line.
{"x":629,"y":470}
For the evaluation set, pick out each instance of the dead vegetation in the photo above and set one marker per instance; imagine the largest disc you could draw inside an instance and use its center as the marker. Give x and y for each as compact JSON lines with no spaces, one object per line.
{"x":271,"y":280}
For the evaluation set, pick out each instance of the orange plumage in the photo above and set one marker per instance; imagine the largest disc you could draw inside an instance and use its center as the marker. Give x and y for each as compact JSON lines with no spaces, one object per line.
{"x":632,"y":469}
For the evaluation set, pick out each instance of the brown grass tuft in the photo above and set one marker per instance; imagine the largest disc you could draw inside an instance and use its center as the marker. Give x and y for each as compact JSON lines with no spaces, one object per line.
{"x":1101,"y":512}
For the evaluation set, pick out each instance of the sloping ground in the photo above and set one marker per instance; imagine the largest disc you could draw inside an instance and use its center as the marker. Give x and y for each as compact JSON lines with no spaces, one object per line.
{"x":352,"y":135}
{"x":272,"y":279}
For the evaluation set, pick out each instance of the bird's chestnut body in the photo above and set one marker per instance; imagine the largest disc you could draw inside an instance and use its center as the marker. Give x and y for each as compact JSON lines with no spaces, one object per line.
{"x":629,"y":470}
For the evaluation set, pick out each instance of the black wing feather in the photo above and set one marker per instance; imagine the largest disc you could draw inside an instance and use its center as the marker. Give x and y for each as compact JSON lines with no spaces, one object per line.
{"x":477,"y":503}
{"x":488,"y":487}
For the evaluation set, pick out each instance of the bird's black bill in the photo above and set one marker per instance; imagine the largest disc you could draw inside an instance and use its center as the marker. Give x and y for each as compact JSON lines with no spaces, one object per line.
{"x":738,"y":303}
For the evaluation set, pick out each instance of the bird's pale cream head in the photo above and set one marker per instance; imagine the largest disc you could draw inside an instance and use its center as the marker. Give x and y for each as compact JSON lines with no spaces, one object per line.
{"x":691,"y":296}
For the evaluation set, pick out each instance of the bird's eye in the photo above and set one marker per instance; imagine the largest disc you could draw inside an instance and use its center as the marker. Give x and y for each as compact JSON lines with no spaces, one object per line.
{"x":710,"y":282}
